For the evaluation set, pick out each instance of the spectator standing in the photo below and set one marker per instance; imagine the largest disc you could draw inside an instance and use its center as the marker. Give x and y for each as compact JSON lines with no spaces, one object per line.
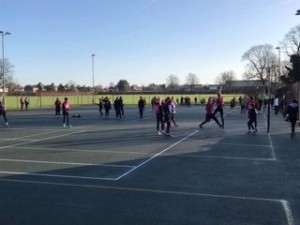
{"x":57,"y":104}
{"x":172,"y":110}
{"x":157,"y":105}
{"x":167,"y":116}
{"x":141,"y":106}
{"x":66,"y":110}
{"x":243,"y":105}
{"x":292,"y":112}
{"x":107,"y":107}
{"x":100,"y":106}
{"x":276,"y":105}
{"x":22,"y":103}
{"x":232,"y":106}
{"x":122,"y":107}
{"x":26,"y":101}
{"x":117,"y":108}
{"x":3,"y":113}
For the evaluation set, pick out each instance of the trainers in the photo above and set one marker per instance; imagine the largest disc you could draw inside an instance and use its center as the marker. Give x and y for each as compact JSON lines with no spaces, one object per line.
{"x":6,"y":124}
{"x":158,"y":133}
{"x":200,"y":126}
{"x":168,"y":134}
{"x":256,"y":130}
{"x":249,"y":132}
{"x":64,"y":125}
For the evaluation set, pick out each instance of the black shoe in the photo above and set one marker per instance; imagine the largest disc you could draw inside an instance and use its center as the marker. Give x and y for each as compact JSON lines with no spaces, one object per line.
{"x":200,"y":126}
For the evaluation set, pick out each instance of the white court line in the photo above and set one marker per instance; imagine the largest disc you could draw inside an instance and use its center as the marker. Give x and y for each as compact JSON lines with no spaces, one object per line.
{"x":82,"y":150}
{"x":270,"y":140}
{"x":56,"y":175}
{"x":27,"y":136}
{"x":284,"y":203}
{"x":43,"y":139}
{"x":237,"y":144}
{"x":225,"y":157}
{"x":65,"y":163}
{"x":156,"y":155}
{"x":272,"y":147}
{"x":288,"y":212}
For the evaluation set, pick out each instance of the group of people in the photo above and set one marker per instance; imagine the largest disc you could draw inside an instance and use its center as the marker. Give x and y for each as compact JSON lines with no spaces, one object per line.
{"x":165,"y":111}
{"x":104,"y":103}
{"x":65,"y":107}
{"x":250,"y":104}
{"x":211,"y":112}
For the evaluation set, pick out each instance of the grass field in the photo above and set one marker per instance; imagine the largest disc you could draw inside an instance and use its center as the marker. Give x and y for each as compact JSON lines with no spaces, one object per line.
{"x":12,"y":102}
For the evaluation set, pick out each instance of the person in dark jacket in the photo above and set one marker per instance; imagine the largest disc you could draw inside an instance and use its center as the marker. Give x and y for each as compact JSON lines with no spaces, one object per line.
{"x":167,"y":115}
{"x":252,"y":115}
{"x":100,"y":106}
{"x":57,"y":104}
{"x":3,"y":113}
{"x":141,"y":105}
{"x":157,"y":105}
{"x":292,"y":112}
{"x":117,"y":107}
{"x":107,"y":107}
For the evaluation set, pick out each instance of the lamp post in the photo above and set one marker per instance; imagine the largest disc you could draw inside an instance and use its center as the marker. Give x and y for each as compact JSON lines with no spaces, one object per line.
{"x":93,"y":76}
{"x":269,"y":99}
{"x":3,"y":68}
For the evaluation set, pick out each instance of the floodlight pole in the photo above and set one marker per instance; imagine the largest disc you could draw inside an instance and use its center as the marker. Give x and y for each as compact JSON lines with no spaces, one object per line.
{"x":3,"y":67}
{"x":93,"y":76}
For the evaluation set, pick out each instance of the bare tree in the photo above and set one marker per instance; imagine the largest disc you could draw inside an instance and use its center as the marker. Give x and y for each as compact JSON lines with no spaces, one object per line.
{"x":8,"y":71}
{"x":72,"y":86}
{"x":172,"y":81}
{"x":225,"y":79}
{"x":291,"y":41}
{"x":259,"y":58}
{"x":192,"y":79}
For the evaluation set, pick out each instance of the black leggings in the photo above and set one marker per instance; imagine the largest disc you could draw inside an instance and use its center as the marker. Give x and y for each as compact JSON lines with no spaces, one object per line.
{"x":66,"y":117}
{"x":293,"y":124}
{"x":4,"y":116}
{"x":160,"y":121}
{"x":208,"y":118}
{"x":219,"y":109}
{"x":250,"y":123}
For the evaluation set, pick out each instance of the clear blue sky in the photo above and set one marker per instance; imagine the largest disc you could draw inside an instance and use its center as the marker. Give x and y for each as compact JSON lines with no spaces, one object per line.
{"x":142,"y":41}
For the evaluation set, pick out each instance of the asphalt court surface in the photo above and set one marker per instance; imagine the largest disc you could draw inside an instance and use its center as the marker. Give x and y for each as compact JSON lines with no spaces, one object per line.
{"x":120,"y":172}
